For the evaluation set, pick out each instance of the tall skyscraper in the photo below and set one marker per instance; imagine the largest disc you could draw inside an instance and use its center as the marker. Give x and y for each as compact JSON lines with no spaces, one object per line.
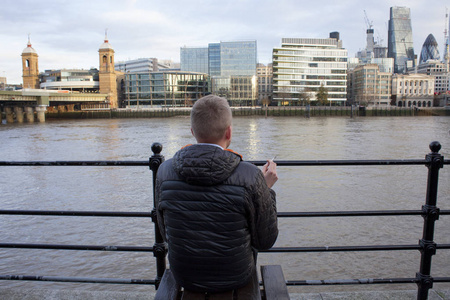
{"x":430,"y":50}
{"x":400,"y":41}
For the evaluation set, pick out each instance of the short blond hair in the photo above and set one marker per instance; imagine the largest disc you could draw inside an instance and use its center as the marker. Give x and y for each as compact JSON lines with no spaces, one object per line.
{"x":210,"y":118}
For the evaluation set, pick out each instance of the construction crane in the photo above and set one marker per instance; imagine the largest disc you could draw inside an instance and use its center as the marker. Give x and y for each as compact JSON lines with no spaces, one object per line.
{"x":368,"y":22}
{"x":446,"y":57}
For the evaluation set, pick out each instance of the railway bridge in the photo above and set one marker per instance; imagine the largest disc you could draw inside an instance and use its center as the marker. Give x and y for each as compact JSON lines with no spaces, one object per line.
{"x":31,"y":104}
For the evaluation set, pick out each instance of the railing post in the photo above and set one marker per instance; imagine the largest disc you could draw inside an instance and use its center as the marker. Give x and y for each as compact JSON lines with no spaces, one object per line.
{"x":430,"y":213}
{"x":159,"y":248}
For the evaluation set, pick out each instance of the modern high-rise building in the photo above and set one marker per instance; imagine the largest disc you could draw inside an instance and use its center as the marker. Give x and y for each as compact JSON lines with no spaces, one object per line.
{"x":231,"y":65}
{"x":214,"y":59}
{"x":238,"y":58}
{"x":430,"y":50}
{"x":302,"y":65}
{"x":194,"y":59}
{"x":400,"y":41}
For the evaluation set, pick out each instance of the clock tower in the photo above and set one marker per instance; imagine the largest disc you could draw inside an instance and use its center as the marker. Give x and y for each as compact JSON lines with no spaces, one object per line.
{"x":107,"y":74}
{"x":30,"y":70}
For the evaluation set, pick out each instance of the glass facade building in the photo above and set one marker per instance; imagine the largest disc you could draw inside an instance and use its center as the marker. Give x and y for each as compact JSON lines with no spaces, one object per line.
{"x":194,"y":59}
{"x":231,"y":66}
{"x":140,"y":65}
{"x":430,"y":50}
{"x":400,"y":41}
{"x":214,"y":59}
{"x":238,"y":58}
{"x":165,"y":88}
{"x":302,"y":65}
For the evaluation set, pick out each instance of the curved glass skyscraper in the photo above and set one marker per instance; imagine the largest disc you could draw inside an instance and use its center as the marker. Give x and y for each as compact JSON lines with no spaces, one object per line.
{"x":400,"y":41}
{"x":430,"y":50}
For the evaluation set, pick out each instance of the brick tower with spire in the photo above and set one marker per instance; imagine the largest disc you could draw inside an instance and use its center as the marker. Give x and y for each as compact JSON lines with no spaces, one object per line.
{"x":30,"y":70}
{"x":107,"y":74}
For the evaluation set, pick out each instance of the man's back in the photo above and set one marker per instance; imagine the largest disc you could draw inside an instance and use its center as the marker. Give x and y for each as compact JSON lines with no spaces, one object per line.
{"x":213,"y":210}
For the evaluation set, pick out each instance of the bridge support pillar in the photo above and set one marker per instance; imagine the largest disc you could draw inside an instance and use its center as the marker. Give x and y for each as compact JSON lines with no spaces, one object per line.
{"x":9,"y":115}
{"x":41,"y":109}
{"x":29,"y":114}
{"x":18,"y":110}
{"x":1,"y":116}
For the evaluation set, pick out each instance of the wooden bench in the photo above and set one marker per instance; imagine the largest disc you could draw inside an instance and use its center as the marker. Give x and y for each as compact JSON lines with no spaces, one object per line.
{"x":274,"y":287}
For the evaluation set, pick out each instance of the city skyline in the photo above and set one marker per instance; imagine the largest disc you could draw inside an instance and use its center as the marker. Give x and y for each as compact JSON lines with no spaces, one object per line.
{"x":68,"y":34}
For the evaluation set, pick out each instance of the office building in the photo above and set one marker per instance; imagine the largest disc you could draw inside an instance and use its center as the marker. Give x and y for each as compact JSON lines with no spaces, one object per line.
{"x":141,"y":65}
{"x":302,"y":65}
{"x":385,"y":65}
{"x":194,"y":59}
{"x":400,"y":41}
{"x":369,"y":86}
{"x":265,"y":83}
{"x":438,"y":71}
{"x":79,"y":80}
{"x":412,"y":90}
{"x":165,"y":88}
{"x":231,"y":66}
{"x":430,"y":50}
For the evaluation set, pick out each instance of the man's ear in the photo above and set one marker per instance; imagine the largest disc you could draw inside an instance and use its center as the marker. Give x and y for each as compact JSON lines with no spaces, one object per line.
{"x":228,"y":133}
{"x":192,"y":131}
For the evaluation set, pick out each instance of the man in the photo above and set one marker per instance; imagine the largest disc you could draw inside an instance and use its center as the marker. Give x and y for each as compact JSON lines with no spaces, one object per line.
{"x":214,"y":210}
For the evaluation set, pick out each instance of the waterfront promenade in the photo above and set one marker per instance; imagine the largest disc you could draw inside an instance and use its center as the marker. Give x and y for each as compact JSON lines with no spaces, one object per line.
{"x":41,"y":294}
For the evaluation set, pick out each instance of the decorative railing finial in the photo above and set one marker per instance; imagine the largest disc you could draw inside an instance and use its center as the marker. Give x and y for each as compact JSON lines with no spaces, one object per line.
{"x":435,"y":146}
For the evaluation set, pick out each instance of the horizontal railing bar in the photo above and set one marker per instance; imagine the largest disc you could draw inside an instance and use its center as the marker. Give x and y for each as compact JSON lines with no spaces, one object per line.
{"x":76,"y":213}
{"x":350,"y":213}
{"x":256,"y":162}
{"x":77,"y":279}
{"x":76,"y":247}
{"x":274,"y":249}
{"x":280,"y":214}
{"x":152,"y":282}
{"x":352,"y":248}
{"x":352,"y":281}
{"x":97,"y":163}
{"x":307,"y":163}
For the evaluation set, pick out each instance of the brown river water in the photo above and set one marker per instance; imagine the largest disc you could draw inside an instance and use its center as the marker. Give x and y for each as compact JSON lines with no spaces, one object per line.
{"x":256,"y":138}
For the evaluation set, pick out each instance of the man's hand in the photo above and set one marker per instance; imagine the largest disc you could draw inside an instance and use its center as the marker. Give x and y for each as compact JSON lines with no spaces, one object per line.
{"x":270,"y":173}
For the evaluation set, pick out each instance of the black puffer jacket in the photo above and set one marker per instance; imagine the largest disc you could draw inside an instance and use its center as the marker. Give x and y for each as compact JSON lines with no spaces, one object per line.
{"x":213,"y":209}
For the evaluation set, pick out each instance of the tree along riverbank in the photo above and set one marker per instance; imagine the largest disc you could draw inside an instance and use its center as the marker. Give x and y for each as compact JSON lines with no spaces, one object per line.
{"x":301,"y":111}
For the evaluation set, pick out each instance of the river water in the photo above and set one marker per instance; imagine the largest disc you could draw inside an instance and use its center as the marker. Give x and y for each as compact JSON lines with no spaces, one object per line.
{"x":256,"y":138}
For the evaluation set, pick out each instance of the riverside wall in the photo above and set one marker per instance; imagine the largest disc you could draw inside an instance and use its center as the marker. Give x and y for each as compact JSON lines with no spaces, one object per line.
{"x":314,"y":111}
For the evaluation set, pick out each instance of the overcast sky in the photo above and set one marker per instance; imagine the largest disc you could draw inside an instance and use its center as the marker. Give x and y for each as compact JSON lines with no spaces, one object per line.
{"x":67,"y":34}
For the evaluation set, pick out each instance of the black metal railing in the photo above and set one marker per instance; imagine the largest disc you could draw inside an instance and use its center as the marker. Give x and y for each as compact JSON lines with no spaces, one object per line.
{"x":427,"y":247}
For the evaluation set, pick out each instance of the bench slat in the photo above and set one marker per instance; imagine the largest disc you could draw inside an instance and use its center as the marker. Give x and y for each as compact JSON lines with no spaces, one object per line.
{"x":274,"y":283}
{"x":168,"y":288}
